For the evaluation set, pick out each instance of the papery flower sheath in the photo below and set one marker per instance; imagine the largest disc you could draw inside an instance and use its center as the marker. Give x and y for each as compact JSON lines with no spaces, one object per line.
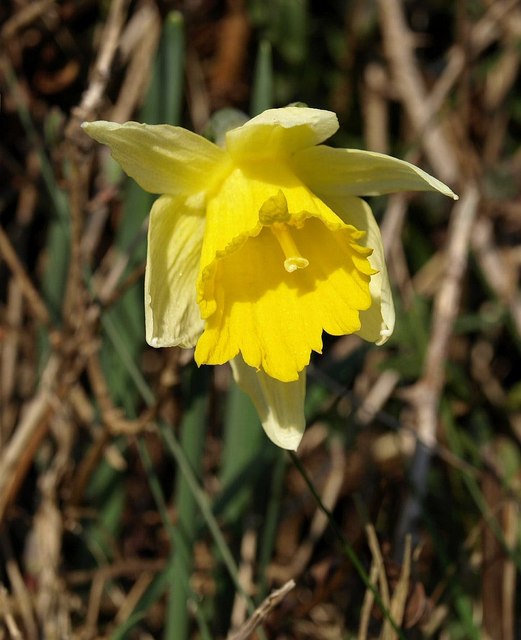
{"x":255,"y":249}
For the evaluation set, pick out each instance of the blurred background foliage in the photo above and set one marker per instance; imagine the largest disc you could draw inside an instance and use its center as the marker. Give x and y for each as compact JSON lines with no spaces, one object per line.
{"x":139,"y":497}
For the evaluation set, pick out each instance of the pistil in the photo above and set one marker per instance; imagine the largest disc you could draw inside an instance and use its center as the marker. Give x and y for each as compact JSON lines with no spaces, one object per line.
{"x":294,"y":260}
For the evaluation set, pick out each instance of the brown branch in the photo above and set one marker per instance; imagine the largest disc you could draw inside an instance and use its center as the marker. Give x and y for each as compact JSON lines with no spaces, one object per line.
{"x":29,"y":291}
{"x":410,"y":87}
{"x":59,"y":376}
{"x":145,"y":31}
{"x":18,"y":452}
{"x":93,"y":96}
{"x":262,"y":611}
{"x":446,"y":307}
{"x":24,"y":17}
{"x":90,"y":104}
{"x":424,"y":396}
{"x":113,"y":417}
{"x":21,"y":600}
{"x":498,"y":575}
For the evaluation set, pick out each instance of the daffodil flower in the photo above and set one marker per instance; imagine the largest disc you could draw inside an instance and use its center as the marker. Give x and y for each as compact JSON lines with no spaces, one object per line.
{"x":255,"y":249}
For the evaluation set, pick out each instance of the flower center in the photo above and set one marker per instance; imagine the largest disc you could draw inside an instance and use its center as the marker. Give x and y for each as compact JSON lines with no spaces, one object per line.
{"x":274,"y":214}
{"x":294,"y":260}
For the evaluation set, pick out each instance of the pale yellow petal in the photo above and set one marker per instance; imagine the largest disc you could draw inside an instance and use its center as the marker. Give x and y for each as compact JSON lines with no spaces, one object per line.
{"x":279,"y":133}
{"x":377,"y":322}
{"x":175,"y":236}
{"x":361,"y":173}
{"x":162,"y":158}
{"x":280,"y":405}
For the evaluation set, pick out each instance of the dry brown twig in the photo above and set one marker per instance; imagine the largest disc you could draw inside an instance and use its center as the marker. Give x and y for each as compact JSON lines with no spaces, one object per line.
{"x":423,"y":107}
{"x":78,"y":183}
{"x":33,"y":426}
{"x":139,"y":43}
{"x":378,"y":561}
{"x":377,"y":395}
{"x":245,"y":576}
{"x":375,"y":108}
{"x":367,"y":606}
{"x":43,"y":551}
{"x":46,"y":541}
{"x":498,"y":574}
{"x":395,"y":603}
{"x":20,"y":288}
{"x":27,"y":434}
{"x":262,"y":611}
{"x":93,"y":96}
{"x":132,"y":598}
{"x":21,"y":599}
{"x":33,"y":298}
{"x":25,"y":16}
{"x":7,"y":615}
{"x":425,"y":395}
{"x":60,"y":374}
{"x":501,"y":21}
{"x":16,"y":455}
{"x":400,"y":594}
{"x":409,"y":85}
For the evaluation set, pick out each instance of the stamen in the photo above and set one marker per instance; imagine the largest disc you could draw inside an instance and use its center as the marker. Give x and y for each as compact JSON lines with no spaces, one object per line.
{"x":294,"y":260}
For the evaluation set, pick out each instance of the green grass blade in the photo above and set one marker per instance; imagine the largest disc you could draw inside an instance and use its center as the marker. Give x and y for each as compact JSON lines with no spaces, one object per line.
{"x":203,"y":503}
{"x":262,"y":91}
{"x":193,"y":431}
{"x":172,"y":65}
{"x":243,"y":442}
